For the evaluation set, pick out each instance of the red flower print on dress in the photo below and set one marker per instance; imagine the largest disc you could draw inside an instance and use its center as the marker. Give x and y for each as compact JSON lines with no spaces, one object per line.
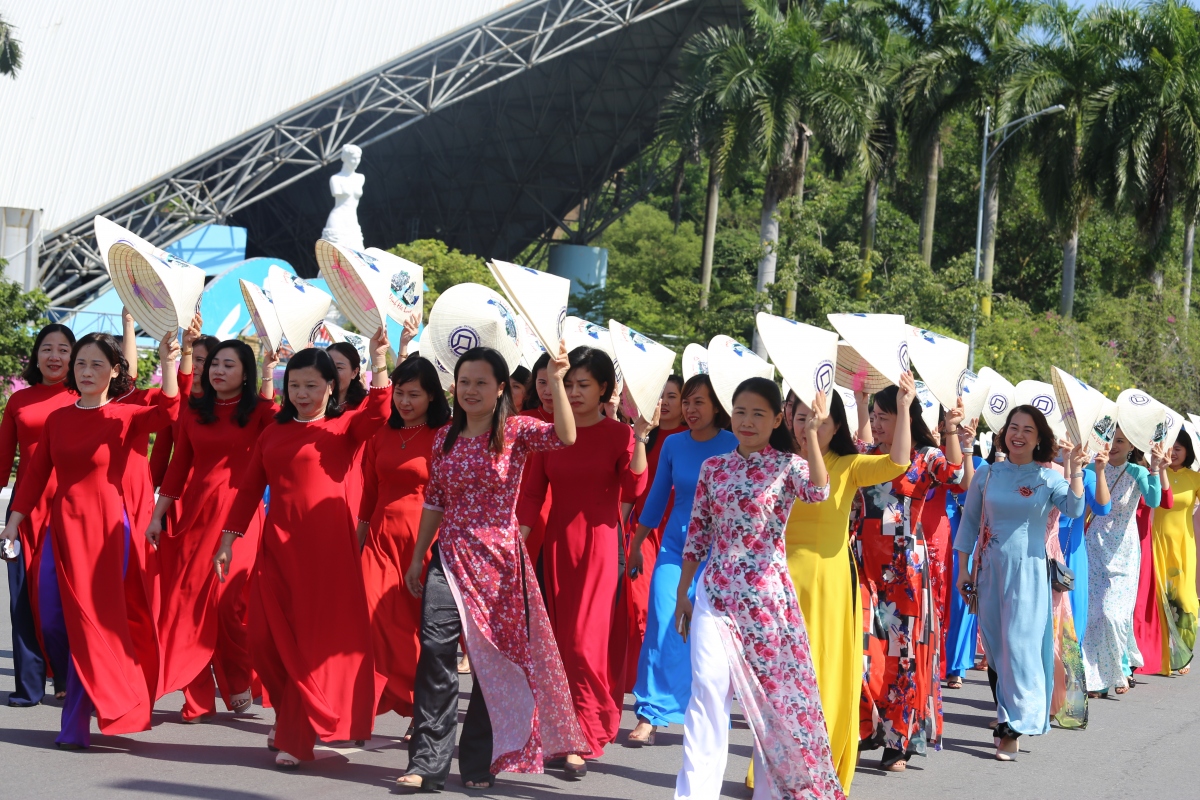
{"x":1025,"y":491}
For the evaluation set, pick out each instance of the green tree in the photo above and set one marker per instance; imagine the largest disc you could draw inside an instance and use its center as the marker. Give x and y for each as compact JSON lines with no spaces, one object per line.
{"x":10,"y":51}
{"x":20,"y":316}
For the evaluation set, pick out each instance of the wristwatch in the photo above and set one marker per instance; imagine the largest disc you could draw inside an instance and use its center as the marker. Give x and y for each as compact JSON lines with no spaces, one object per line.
{"x":642,"y":439}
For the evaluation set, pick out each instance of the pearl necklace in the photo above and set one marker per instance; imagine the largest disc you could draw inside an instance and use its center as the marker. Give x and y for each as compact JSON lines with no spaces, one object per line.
{"x":314,"y":419}
{"x":404,"y":442}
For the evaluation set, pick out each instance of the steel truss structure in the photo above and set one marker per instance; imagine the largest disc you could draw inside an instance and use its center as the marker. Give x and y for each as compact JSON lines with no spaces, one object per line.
{"x":271,"y":179}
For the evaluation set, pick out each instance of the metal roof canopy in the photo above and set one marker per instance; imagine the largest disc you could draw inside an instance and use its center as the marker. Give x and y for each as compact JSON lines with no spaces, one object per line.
{"x":522,"y":116}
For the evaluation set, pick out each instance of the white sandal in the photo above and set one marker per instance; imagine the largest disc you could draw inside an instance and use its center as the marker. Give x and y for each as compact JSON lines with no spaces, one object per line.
{"x":286,"y":761}
{"x":240,"y":703}
{"x":271,"y":741}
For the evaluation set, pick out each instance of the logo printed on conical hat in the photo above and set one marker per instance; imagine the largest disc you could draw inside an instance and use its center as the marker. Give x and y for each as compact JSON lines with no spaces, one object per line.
{"x":401,"y":284}
{"x":1080,"y":405}
{"x":880,"y":339}
{"x":368,"y":285}
{"x":1040,"y":395}
{"x":999,"y":400}
{"x":806,"y":356}
{"x":941,"y":362}
{"x":541,"y":298}
{"x":854,"y":371}
{"x":262,"y":312}
{"x":695,"y":361}
{"x":1143,"y":420}
{"x":973,"y":391}
{"x":161,"y":292}
{"x":469,"y":315}
{"x":645,"y":365}
{"x":729,"y":363}
{"x":301,"y":308}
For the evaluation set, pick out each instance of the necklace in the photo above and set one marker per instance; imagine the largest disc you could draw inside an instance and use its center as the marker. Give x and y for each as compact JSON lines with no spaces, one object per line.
{"x":102,"y":405}
{"x":314,"y":419}
{"x":404,"y":442}
{"x":230,"y":402}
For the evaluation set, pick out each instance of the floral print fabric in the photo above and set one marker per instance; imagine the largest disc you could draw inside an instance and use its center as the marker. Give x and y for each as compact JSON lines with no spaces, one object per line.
{"x":901,"y":706}
{"x":739,"y":514}
{"x":512,"y":647}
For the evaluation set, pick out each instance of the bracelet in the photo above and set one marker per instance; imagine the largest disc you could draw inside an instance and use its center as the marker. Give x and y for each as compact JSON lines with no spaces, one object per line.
{"x":185,"y":352}
{"x":235,"y":533}
{"x":642,"y":439}
{"x":1077,"y":475}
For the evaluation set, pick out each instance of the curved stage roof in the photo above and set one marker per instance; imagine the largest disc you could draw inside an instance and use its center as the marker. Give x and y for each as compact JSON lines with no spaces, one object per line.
{"x":483,"y":122}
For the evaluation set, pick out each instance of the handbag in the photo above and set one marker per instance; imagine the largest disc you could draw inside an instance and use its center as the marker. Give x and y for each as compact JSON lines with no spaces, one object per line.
{"x":1062,"y":578}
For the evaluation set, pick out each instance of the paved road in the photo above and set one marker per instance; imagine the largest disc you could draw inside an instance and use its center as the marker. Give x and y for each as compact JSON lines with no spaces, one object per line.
{"x":1141,"y":745}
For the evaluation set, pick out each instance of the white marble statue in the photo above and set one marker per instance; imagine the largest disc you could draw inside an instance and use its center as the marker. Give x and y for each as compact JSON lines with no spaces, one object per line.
{"x":346,"y":186}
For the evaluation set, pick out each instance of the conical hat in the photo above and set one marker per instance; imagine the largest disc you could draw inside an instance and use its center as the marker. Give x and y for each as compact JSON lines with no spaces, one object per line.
{"x":404,"y":285}
{"x":1080,"y":405}
{"x":645,"y":365}
{"x":470,"y":315}
{"x":973,"y":390}
{"x":360,"y":343}
{"x":930,"y":407}
{"x":999,"y":400}
{"x":1174,"y":423}
{"x":160,"y":291}
{"x":804,"y":355}
{"x":881,"y":339}
{"x":985,"y":441}
{"x":1104,"y":428}
{"x":531,"y":348}
{"x":445,"y":376}
{"x":941,"y":361}
{"x":854,"y":371}
{"x":301,"y":308}
{"x":1193,"y":432}
{"x":538,"y":296}
{"x":1143,"y":420}
{"x":729,"y":363}
{"x":1041,"y":396}
{"x":695,"y":361}
{"x":578,"y":332}
{"x":262,"y":312}
{"x":850,"y":405}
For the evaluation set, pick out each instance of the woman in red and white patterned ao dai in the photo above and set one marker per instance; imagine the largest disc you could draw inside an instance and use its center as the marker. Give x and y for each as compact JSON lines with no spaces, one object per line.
{"x":747,"y":634}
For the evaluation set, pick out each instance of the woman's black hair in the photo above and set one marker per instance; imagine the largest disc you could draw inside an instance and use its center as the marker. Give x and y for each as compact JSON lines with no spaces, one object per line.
{"x":356,"y":392}
{"x":885,"y":400}
{"x":1047,"y":444}
{"x":319,"y":360}
{"x":1185,"y":441}
{"x":599,"y":365}
{"x":122,"y":382}
{"x":533,"y":399}
{"x":701,"y":381}
{"x":205,"y":405}
{"x":653,"y":436}
{"x":523,"y":376}
{"x":504,"y":406}
{"x":32,"y":374}
{"x":421,"y":370}
{"x":781,"y":438}
{"x":842,"y":442}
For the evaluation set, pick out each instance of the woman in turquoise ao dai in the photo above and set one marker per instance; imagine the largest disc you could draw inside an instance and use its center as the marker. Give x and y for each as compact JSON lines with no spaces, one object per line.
{"x":1008,"y":507}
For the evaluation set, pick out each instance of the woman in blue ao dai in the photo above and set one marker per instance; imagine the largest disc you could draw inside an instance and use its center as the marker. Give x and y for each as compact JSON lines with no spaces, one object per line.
{"x":1007,"y":510}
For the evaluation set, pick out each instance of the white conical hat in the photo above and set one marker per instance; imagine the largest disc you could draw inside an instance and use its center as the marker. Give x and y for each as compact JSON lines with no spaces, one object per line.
{"x":1080,"y":406}
{"x":985,"y":440}
{"x":999,"y":398}
{"x":695,"y":361}
{"x":850,"y":405}
{"x":854,"y":371}
{"x":578,"y":332}
{"x":941,"y":361}
{"x":531,"y":348}
{"x":403,"y":285}
{"x":160,"y":291}
{"x":645,"y":365}
{"x":1174,"y":424}
{"x":1144,"y":421}
{"x":262,"y":312}
{"x":301,"y":308}
{"x":541,"y":298}
{"x":881,"y":340}
{"x":973,"y":390}
{"x":1104,"y":428}
{"x":729,"y":363}
{"x":1040,"y":395}
{"x":360,"y":343}
{"x":445,"y":376}
{"x":470,"y":315}
{"x":930,"y":407}
{"x":1193,"y":433}
{"x":806,"y":356}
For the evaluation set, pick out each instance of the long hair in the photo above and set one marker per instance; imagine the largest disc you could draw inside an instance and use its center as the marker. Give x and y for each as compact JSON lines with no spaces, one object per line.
{"x":122,"y":382}
{"x":599,"y":365}
{"x":532,"y":398}
{"x":32,"y":374}
{"x":421,"y":370}
{"x":1047,"y":442}
{"x":355,"y":391}
{"x":885,"y":400}
{"x":319,"y":360}
{"x":842,"y":442}
{"x":522,"y":375}
{"x":504,"y":405}
{"x":205,"y":405}
{"x":781,"y":438}
{"x":1185,"y":441}
{"x":677,"y":381}
{"x":701,"y":381}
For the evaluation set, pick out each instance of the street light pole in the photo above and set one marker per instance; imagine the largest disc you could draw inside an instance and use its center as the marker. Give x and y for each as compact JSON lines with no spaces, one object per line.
{"x":985,"y":158}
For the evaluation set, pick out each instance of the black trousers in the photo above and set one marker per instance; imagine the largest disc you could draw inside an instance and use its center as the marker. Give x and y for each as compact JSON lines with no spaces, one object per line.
{"x":29,"y":666}
{"x":435,"y":694}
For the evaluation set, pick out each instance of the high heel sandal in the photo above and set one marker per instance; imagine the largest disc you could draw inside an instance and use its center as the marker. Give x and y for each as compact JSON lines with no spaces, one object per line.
{"x":286,"y":761}
{"x":423,"y":783}
{"x":647,"y":741}
{"x":241,"y":703}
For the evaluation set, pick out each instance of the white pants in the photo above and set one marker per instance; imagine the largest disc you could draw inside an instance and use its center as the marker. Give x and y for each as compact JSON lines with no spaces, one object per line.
{"x":706,"y":723}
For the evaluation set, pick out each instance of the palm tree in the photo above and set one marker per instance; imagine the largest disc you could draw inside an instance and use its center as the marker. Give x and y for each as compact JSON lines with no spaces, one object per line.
{"x":1147,"y":130}
{"x":969,"y":71}
{"x":1065,"y":64}
{"x":10,"y":51}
